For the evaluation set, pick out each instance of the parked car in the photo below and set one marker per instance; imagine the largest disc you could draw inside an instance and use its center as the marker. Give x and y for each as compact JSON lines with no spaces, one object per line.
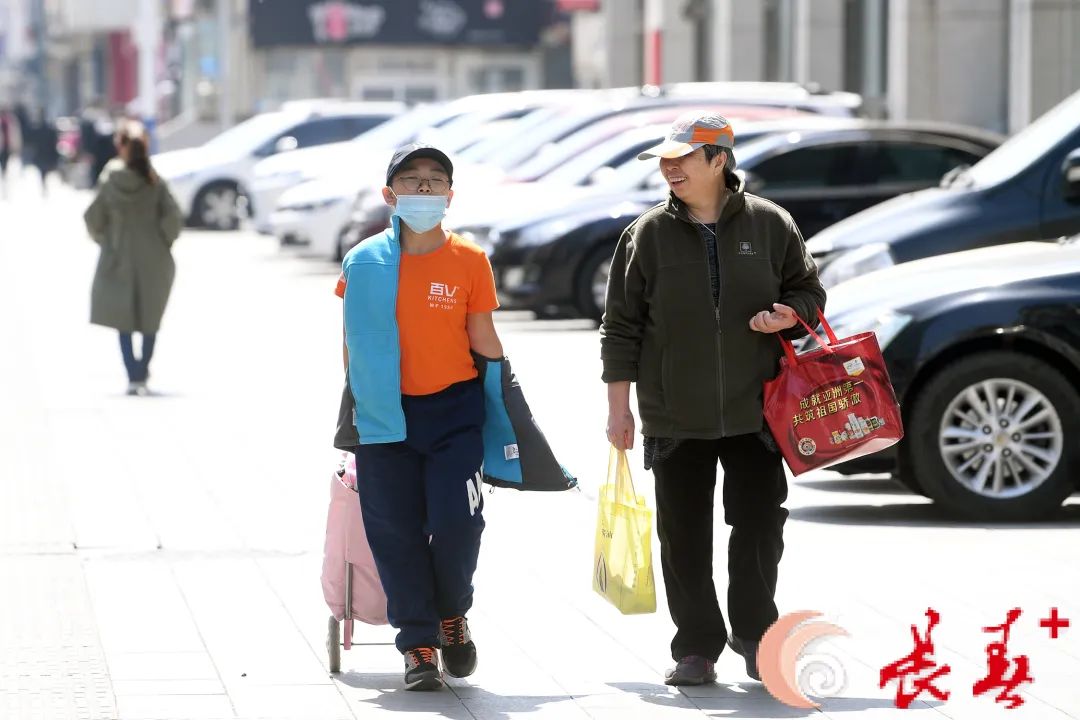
{"x":607,"y":168}
{"x":1027,"y":189}
{"x":597,"y":172}
{"x":276,"y":174}
{"x":983,"y":348}
{"x":559,"y":263}
{"x":313,"y":215}
{"x":336,"y":174}
{"x":212,"y":182}
{"x":811,"y":97}
{"x":555,"y":154}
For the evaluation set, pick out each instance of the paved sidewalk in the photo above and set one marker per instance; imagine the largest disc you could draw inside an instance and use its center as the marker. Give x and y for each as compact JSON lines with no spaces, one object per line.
{"x":160,"y":557}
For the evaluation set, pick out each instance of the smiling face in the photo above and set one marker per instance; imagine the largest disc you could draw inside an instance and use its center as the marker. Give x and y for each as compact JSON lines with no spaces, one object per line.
{"x":692,"y":178}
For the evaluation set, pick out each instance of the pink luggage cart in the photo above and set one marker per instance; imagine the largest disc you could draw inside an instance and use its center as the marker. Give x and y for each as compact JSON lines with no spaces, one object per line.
{"x":351,"y":585}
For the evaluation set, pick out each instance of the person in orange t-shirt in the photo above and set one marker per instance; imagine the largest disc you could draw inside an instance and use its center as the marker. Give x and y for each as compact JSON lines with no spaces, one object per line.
{"x":421,"y":497}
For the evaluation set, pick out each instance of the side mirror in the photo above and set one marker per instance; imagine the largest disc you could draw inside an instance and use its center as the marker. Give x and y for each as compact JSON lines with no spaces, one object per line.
{"x":1070,"y":176}
{"x":286,"y":144}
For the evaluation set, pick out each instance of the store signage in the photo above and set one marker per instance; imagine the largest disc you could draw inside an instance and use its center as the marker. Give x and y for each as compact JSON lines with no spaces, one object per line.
{"x":276,"y":23}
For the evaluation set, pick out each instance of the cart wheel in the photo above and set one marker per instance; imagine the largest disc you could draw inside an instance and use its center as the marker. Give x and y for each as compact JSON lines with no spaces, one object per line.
{"x":333,"y":644}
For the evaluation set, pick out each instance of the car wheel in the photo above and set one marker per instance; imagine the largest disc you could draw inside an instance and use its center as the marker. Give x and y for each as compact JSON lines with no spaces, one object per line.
{"x":218,"y":207}
{"x":988,"y":437}
{"x":592,"y":277}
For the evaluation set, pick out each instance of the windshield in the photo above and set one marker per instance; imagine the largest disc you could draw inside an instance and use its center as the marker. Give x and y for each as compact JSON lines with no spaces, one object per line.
{"x":1027,"y":146}
{"x":252,"y":133}
{"x":404,"y":128}
{"x":517,"y":144}
{"x":610,"y":154}
{"x":553,"y":154}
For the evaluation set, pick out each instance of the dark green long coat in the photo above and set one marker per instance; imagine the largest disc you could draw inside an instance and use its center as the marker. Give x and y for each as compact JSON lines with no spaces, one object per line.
{"x":135,"y":223}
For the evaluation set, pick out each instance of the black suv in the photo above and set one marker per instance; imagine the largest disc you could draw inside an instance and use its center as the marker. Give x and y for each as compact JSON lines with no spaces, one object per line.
{"x":1027,"y":189}
{"x":983,"y":348}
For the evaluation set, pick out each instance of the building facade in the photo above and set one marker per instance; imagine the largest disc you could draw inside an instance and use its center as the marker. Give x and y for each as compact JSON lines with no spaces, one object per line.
{"x":409,"y":50}
{"x":992,"y":63}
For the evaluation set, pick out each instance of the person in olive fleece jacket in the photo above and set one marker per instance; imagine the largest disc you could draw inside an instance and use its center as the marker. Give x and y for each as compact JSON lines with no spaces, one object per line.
{"x":699,"y":285}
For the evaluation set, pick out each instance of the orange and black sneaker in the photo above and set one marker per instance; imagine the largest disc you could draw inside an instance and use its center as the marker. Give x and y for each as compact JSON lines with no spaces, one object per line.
{"x":458,"y":649}
{"x":422,"y":669}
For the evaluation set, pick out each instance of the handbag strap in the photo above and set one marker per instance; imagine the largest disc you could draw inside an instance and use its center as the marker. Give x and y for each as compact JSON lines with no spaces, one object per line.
{"x":624,"y":485}
{"x":789,"y":349}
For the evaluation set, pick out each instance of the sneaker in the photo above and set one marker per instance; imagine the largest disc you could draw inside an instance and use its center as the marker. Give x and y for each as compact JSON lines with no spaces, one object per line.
{"x":748,"y":650}
{"x":141,"y":390}
{"x":458,"y":649}
{"x":691,"y":670}
{"x":133,"y":388}
{"x":422,"y":669}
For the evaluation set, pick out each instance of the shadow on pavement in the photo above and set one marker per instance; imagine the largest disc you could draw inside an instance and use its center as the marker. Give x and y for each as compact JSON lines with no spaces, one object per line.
{"x":871,"y":485}
{"x":464,"y":702}
{"x":922,"y":514}
{"x":749,"y":700}
{"x":845,"y":704}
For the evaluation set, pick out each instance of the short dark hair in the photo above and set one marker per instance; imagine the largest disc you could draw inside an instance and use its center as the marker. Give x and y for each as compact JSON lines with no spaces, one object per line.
{"x":714,"y":151}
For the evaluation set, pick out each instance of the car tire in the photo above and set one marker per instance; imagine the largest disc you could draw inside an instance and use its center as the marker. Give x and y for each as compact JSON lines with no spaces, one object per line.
{"x":218,"y":207}
{"x":596,"y":265}
{"x":962,"y":444}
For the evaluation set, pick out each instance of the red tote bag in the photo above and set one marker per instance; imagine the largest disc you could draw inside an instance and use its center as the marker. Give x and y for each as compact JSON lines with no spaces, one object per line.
{"x":832,"y":404}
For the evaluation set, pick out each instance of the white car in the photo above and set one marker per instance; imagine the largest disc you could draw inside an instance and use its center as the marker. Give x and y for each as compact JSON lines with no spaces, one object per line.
{"x":449,"y":125}
{"x":312,"y":215}
{"x":275,"y":175}
{"x":210,"y":181}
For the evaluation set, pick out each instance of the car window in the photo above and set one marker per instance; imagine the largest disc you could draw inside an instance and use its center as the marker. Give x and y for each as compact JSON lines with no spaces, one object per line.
{"x":1028,"y":146}
{"x":321,"y":132}
{"x":810,"y":167}
{"x":910,"y":163}
{"x":362,"y":123}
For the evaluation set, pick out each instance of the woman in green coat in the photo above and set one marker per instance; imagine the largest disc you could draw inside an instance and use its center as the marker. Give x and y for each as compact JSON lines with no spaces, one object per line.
{"x":135,"y":220}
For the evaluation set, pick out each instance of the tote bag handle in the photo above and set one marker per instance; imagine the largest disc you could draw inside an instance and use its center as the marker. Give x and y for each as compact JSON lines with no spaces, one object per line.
{"x":789,"y":349}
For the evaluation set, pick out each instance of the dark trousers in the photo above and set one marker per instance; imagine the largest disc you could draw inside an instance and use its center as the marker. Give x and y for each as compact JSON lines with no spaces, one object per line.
{"x":138,"y":369}
{"x":423,"y":511}
{"x":754,"y":489}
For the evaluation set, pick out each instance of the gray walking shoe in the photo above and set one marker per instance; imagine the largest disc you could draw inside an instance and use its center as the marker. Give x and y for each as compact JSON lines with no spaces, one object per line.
{"x":748,"y":650}
{"x":691,"y":670}
{"x":458,"y":649}
{"x":422,"y":669}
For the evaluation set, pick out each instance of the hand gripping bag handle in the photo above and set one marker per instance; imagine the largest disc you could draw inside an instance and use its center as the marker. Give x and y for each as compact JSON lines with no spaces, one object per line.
{"x":789,"y":349}
{"x":625,"y":493}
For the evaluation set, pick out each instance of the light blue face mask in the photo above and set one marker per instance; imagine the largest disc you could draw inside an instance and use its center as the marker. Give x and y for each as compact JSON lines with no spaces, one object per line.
{"x":421,"y":212}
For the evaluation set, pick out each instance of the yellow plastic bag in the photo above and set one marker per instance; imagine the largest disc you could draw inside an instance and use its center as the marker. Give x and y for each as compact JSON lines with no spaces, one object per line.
{"x":622,"y":564}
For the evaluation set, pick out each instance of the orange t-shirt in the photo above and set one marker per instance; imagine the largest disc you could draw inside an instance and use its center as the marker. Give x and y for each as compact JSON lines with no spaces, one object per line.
{"x":435,"y":293}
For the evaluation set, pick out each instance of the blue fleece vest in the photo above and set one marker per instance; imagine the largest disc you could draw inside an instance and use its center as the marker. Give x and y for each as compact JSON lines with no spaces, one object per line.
{"x":371,"y":334}
{"x":512,"y":440}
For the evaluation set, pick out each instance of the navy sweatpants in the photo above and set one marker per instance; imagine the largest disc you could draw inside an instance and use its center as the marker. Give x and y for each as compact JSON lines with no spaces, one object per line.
{"x":426,"y":487}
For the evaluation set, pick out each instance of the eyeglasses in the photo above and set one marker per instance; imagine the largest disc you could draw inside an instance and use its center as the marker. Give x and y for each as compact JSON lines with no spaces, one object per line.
{"x":412,"y":183}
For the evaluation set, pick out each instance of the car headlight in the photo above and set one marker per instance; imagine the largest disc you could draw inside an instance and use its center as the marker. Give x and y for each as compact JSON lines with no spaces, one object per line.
{"x":543,"y":232}
{"x":311,"y":206}
{"x":181,"y":179}
{"x":861,"y":261}
{"x":886,"y":324}
{"x":279,"y":179}
{"x":481,"y":237}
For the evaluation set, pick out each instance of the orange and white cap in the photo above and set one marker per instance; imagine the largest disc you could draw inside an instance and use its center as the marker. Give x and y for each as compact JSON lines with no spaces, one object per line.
{"x":691,"y":131}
